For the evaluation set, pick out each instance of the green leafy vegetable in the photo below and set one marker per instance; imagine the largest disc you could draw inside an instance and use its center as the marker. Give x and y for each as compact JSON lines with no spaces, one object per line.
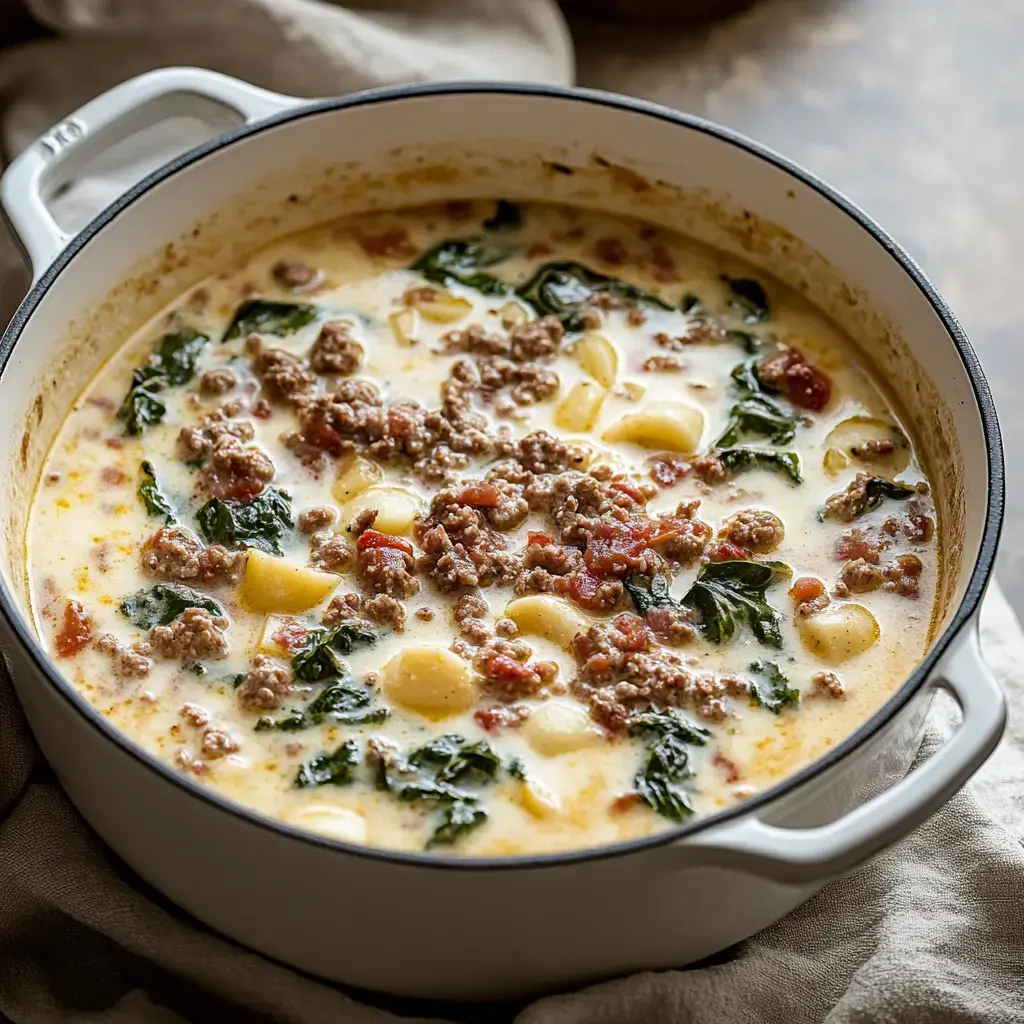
{"x":667,"y":764}
{"x":507,"y":217}
{"x":875,"y":490}
{"x":234,"y":680}
{"x":647,"y":594}
{"x":758,"y":416}
{"x":437,"y":773}
{"x":261,"y":316}
{"x":341,"y":703}
{"x":748,"y":299}
{"x":259,"y":523}
{"x":726,"y":595}
{"x":330,"y":769}
{"x":742,"y":460}
{"x":151,"y":496}
{"x":459,"y":261}
{"x":141,"y":408}
{"x":163,"y":603}
{"x":318,"y":659}
{"x":460,"y":817}
{"x":173,"y":362}
{"x":560,"y":288}
{"x":770,"y":688}
{"x":691,"y":304}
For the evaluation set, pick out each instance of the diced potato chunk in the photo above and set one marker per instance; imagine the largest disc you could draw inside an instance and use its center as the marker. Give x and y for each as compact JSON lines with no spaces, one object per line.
{"x":355,"y":474}
{"x":839,"y":632}
{"x":834,"y":461}
{"x":273,"y":584}
{"x":550,"y":617}
{"x":268,"y":645}
{"x":581,"y":407}
{"x":513,"y":314}
{"x":330,"y":820}
{"x":432,"y":681}
{"x":597,"y":355}
{"x":438,"y":305}
{"x":559,"y":728}
{"x":672,"y":426}
{"x":405,"y":326}
{"x":396,"y":508}
{"x":537,"y":799}
{"x":858,"y":438}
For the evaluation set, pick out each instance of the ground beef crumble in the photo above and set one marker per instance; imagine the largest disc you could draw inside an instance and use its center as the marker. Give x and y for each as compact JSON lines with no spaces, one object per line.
{"x":826,"y":684}
{"x":335,"y":350}
{"x":386,"y":611}
{"x":194,"y":636}
{"x":295,"y":276}
{"x":237,"y":471}
{"x":331,"y":552}
{"x":284,"y":376}
{"x":507,"y":672}
{"x":342,"y":608}
{"x":266,"y":682}
{"x":621,"y":670}
{"x":124,"y":662}
{"x":386,"y":564}
{"x":318,"y":517}
{"x":757,"y":530}
{"x":217,"y":382}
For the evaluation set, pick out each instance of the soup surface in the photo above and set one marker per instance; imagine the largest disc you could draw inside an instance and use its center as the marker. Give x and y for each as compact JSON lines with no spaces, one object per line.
{"x":487,"y":529}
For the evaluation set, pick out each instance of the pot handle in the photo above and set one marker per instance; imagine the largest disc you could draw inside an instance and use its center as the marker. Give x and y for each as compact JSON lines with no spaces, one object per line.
{"x":114,"y":115}
{"x":795,"y":855}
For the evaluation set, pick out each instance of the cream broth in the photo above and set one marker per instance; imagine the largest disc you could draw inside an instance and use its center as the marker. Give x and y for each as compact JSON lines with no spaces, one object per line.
{"x":610,"y":725}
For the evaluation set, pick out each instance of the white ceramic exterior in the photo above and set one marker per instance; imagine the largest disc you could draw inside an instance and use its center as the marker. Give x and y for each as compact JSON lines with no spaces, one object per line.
{"x":448,"y":928}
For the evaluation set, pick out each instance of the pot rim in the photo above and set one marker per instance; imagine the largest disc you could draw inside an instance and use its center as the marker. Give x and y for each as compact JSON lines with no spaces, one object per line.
{"x":968,"y":607}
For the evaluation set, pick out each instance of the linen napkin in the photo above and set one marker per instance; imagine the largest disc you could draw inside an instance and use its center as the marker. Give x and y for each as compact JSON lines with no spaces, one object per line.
{"x":932,"y":931}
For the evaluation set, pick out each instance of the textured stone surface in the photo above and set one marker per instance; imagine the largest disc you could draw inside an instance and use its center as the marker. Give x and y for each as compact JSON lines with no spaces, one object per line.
{"x":913,"y":108}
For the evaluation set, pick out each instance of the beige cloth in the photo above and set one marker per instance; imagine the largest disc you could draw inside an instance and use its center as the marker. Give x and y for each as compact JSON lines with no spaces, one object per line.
{"x":933,"y":931}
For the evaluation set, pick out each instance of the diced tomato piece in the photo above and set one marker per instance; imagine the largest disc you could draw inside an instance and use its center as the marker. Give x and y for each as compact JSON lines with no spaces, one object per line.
{"x":479,"y":496}
{"x":291,"y":635}
{"x":631,"y":489}
{"x":729,"y":769}
{"x":623,"y":803}
{"x":806,"y":588}
{"x":666,"y":472}
{"x":726,"y":552}
{"x":375,"y":539}
{"x":75,"y":631}
{"x":537,"y":537}
{"x":615,"y":556}
{"x":631,"y":633}
{"x":582,"y":587}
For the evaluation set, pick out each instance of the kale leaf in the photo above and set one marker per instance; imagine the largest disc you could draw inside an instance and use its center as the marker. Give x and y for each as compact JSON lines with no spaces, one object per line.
{"x":691,"y":304}
{"x":559,"y":289}
{"x":142,"y":407}
{"x":262,"y":316}
{"x":460,"y":817}
{"x":770,"y":688}
{"x":647,"y":594}
{"x":750,"y":343}
{"x":318,"y":659}
{"x":151,"y":496}
{"x":668,"y":760}
{"x":341,"y":703}
{"x":330,"y":769}
{"x":874,"y":491}
{"x":748,"y":299}
{"x":507,"y":217}
{"x":758,"y":416}
{"x":259,"y":523}
{"x":437,"y":773}
{"x":163,"y":603}
{"x":173,"y":362}
{"x":459,"y":261}
{"x":177,"y":355}
{"x":727,"y":594}
{"x":742,"y":460}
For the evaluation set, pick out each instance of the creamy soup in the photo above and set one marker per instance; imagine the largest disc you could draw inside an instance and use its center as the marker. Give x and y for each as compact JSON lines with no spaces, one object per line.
{"x":486,"y":529}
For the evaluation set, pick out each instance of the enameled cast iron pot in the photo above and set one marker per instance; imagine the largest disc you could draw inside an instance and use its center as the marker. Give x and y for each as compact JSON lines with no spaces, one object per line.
{"x":440,"y":926}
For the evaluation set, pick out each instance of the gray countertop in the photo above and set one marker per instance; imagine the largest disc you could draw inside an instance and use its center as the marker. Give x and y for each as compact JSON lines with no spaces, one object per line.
{"x":913,"y":108}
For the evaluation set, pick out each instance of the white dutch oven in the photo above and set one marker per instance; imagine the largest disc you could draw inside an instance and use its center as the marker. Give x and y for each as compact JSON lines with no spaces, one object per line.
{"x":440,"y":926}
